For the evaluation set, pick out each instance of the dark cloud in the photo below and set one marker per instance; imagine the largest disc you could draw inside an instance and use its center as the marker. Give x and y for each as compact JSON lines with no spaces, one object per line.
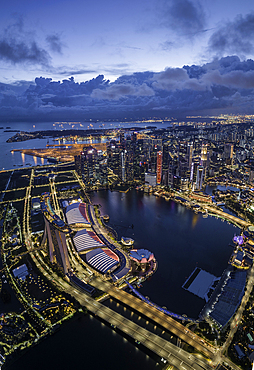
{"x":224,"y":85}
{"x":236,"y":37}
{"x":55,"y":43}
{"x":136,"y":79}
{"x":117,"y":91}
{"x":185,"y":17}
{"x":235,"y":79}
{"x":73,"y":71}
{"x":19,"y":46}
{"x":14,"y":51}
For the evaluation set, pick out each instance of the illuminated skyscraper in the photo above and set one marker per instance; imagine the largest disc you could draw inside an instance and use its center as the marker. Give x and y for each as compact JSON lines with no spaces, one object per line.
{"x":159,"y":168}
{"x":189,"y":154}
{"x":123,"y":153}
{"x":200,"y":177}
{"x":203,"y":160}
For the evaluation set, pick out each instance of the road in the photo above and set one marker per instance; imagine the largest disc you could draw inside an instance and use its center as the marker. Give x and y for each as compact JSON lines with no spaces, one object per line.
{"x":178,"y":357}
{"x":157,"y":316}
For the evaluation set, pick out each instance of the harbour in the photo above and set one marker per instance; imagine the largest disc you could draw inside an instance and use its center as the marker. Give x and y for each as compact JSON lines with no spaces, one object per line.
{"x":142,"y":211}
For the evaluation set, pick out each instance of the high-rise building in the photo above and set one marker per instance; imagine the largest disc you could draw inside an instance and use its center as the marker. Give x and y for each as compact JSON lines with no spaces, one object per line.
{"x":114,"y":158}
{"x":228,"y":153}
{"x":189,"y":154}
{"x":171,"y":172}
{"x":79,"y":163}
{"x":200,"y":177}
{"x":159,"y":168}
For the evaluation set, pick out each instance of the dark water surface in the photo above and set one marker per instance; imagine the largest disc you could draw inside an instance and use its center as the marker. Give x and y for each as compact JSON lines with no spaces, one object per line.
{"x":84,"y":343}
{"x":179,"y":239}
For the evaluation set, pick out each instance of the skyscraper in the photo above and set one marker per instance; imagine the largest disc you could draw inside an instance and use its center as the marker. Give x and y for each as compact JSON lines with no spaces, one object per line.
{"x":159,"y":168}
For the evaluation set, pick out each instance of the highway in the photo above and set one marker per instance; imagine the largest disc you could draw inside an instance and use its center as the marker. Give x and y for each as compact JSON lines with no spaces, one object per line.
{"x":157,"y":316}
{"x":166,"y":350}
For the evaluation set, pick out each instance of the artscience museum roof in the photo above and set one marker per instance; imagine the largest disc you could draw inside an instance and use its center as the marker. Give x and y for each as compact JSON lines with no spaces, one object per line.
{"x":141,"y":255}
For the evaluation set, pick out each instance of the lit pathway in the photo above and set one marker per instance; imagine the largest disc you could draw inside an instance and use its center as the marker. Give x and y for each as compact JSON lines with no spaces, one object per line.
{"x":226,"y":216}
{"x":237,"y":319}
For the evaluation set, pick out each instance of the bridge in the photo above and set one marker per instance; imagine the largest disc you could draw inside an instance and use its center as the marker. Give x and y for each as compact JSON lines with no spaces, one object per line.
{"x":172,"y":314}
{"x":166,"y":350}
{"x":157,"y":316}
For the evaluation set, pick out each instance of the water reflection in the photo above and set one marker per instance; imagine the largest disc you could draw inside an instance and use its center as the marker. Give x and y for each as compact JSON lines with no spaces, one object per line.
{"x":177,"y":236}
{"x":194,"y":220}
{"x":23,"y":158}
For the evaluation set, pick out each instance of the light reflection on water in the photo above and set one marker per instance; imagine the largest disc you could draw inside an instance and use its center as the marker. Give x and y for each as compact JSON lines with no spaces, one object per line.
{"x":179,"y":239}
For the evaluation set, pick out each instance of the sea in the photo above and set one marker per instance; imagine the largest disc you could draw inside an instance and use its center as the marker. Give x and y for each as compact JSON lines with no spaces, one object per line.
{"x":10,"y":159}
{"x":180,"y":240}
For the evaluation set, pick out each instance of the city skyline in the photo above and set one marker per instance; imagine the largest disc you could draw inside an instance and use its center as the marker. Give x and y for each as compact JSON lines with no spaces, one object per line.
{"x":169,"y":58}
{"x":63,"y":222}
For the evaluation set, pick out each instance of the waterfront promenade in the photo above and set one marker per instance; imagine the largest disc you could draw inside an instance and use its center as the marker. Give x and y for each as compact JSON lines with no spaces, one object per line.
{"x":213,"y":210}
{"x":148,"y":339}
{"x":126,"y":326}
{"x":226,"y":216}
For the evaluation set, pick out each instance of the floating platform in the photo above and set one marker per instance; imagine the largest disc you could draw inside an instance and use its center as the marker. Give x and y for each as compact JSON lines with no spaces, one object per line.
{"x":127,"y":241}
{"x":200,"y":283}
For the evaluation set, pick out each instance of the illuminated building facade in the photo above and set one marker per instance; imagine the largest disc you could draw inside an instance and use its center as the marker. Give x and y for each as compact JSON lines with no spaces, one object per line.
{"x":159,"y":168}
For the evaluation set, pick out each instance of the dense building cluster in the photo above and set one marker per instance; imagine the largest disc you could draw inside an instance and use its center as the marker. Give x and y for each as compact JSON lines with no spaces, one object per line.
{"x":181,"y":157}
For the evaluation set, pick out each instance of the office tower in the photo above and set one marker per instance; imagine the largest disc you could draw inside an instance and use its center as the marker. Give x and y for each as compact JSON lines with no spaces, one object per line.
{"x":200,"y":177}
{"x":171,"y":172}
{"x":79,"y":163}
{"x":123,"y":159}
{"x":159,"y":168}
{"x":114,"y":158}
{"x":228,"y":153}
{"x":189,"y":154}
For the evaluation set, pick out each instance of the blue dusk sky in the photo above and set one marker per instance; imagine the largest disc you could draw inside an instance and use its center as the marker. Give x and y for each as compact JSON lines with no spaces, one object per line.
{"x":84,"y":59}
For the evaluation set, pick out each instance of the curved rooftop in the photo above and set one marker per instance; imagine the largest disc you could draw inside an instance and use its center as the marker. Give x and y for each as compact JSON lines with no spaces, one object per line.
{"x":76,"y":214}
{"x":141,"y":255}
{"x":102,"y":260}
{"x":84,"y":240}
{"x":50,"y":214}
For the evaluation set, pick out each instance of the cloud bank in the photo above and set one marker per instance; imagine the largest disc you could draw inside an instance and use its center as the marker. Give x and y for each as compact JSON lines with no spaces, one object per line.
{"x":18,"y":46}
{"x":236,"y":37}
{"x":184,"y":17}
{"x":225,"y":85}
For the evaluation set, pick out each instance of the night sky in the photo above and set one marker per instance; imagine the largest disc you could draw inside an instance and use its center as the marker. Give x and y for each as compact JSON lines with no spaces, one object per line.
{"x":93,"y":59}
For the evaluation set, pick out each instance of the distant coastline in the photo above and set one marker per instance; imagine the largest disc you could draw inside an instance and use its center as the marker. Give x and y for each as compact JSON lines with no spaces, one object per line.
{"x":24,"y":136}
